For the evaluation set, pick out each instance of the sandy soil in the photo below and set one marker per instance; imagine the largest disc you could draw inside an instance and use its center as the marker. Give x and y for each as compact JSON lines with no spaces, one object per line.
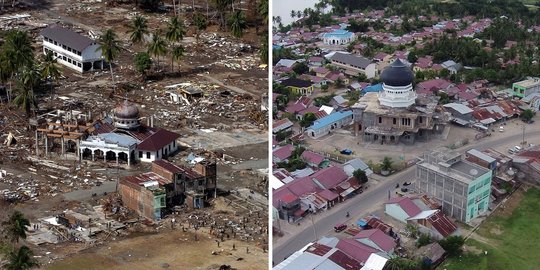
{"x":172,"y":250}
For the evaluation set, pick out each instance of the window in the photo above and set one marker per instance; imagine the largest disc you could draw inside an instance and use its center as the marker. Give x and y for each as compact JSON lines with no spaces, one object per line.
{"x":148,"y":155}
{"x":380,"y":120}
{"x":140,"y":154}
{"x":420,"y":119}
{"x":201,"y":182}
{"x":394,"y":121}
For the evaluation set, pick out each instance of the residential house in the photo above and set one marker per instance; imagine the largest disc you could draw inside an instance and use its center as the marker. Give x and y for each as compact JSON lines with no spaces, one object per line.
{"x":528,"y":162}
{"x":288,"y":63}
{"x":338,"y":101}
{"x":329,"y":123}
{"x":282,"y":125}
{"x":481,"y":159}
{"x":356,"y":164}
{"x":461,"y":114}
{"x":356,"y":250}
{"x":313,"y":159}
{"x":72,"y":49}
{"x":452,"y":66}
{"x":298,"y":86}
{"x":376,"y":239}
{"x":283,"y":153}
{"x":354,"y":64}
{"x":145,"y":194}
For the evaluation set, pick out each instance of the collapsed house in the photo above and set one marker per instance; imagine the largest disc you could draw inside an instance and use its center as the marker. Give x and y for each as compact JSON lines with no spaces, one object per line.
{"x":150,"y":194}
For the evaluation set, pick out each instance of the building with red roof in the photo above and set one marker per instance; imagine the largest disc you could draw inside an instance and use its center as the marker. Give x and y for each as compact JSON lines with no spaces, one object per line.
{"x":377,"y":239}
{"x":401,"y":208}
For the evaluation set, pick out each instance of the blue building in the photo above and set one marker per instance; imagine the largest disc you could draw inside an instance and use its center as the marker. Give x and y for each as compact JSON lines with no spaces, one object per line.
{"x":338,"y":37}
{"x":328,"y":123}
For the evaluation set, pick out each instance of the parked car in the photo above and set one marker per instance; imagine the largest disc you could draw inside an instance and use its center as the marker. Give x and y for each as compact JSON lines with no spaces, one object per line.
{"x":501,"y":129}
{"x":346,"y":151}
{"x":340,"y":227}
{"x":407,"y":183}
{"x":404,"y":189}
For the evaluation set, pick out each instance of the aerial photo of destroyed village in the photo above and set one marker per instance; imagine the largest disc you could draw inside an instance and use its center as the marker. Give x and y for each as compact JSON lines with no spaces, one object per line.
{"x":405,"y":134}
{"x":134,"y":134}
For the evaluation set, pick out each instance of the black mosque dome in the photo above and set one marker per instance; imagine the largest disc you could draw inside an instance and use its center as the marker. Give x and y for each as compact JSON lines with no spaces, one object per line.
{"x":397,"y":74}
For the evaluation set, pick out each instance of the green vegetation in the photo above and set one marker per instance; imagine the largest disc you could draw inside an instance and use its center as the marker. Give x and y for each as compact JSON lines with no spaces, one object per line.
{"x":527,"y":115}
{"x":110,"y":48}
{"x":138,"y":28}
{"x":361,"y":176}
{"x":513,"y":240}
{"x":452,"y":245}
{"x":386,"y":164}
{"x":398,"y":263}
{"x":142,"y":62}
{"x":324,"y":100}
{"x":308,"y":119}
{"x":295,"y":162}
{"x":423,"y":240}
{"x":237,"y":23}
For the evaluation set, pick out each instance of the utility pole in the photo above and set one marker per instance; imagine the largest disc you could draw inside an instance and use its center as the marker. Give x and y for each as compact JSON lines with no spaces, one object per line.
{"x":313,"y":224}
{"x":523,"y":140}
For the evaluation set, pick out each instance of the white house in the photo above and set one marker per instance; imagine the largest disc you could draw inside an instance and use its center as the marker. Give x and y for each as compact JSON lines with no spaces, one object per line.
{"x":338,"y":37}
{"x":354,"y":64}
{"x":72,"y":49}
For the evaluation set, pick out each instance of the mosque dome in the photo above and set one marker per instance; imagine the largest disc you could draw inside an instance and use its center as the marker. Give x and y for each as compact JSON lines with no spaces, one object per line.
{"x":126,"y":110}
{"x":397,"y":74}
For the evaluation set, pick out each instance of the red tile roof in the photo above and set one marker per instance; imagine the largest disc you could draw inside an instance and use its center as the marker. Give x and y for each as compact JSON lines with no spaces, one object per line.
{"x":442,"y":224}
{"x":341,"y":259}
{"x":312,"y":157}
{"x":173,"y":168}
{"x":328,"y":195}
{"x":355,"y":249}
{"x":138,"y":179}
{"x":376,"y":223}
{"x":158,"y":140}
{"x":303,"y":186}
{"x":378,"y":237}
{"x":330,"y":177}
{"x":283,"y":152}
{"x":406,"y":204}
{"x":282,"y":194}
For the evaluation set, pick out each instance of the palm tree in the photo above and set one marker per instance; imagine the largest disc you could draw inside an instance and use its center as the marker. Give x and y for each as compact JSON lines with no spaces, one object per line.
{"x":157,"y":46}
{"x":263,"y":53}
{"x":237,"y":23}
{"x":262,"y":9}
{"x":293,"y":14}
{"x":221,"y":6}
{"x":49,"y":68}
{"x":200,"y":23}
{"x":28,"y":79}
{"x":138,"y":28}
{"x":398,"y":263}
{"x":278,"y":19}
{"x":175,"y":30}
{"x":21,"y":259}
{"x":15,"y":227}
{"x":110,"y":49}
{"x":17,"y":52}
{"x":299,"y":14}
{"x":177,"y":53}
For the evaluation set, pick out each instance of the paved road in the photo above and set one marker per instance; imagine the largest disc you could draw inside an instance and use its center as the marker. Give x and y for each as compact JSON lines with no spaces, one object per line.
{"x":361,"y":204}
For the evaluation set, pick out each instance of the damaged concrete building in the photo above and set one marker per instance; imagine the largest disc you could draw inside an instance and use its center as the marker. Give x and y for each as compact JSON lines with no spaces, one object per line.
{"x":150,"y":194}
{"x":397,"y":113}
{"x":122,"y":138}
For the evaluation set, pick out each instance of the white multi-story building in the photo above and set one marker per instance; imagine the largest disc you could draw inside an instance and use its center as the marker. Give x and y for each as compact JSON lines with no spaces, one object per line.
{"x":72,"y":49}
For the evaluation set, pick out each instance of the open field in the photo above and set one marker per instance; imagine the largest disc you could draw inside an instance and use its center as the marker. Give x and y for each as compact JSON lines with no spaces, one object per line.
{"x":154,"y":252}
{"x":512,"y":235}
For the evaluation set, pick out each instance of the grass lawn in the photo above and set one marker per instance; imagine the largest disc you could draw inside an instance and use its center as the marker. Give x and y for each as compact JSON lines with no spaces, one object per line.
{"x":514,"y":240}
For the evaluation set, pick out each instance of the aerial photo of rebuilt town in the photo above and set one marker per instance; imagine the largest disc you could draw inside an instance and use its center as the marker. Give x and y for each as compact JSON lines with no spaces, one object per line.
{"x":405,"y":134}
{"x":134,"y":134}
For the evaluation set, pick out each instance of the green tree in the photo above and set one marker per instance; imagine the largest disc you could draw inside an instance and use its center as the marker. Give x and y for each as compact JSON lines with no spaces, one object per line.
{"x":157,"y":46}
{"x":263,"y":53}
{"x":361,"y":176}
{"x":15,"y":53}
{"x":177,"y":53}
{"x":49,"y":68}
{"x":222,"y":7}
{"x":452,"y":244}
{"x":527,"y":115}
{"x":28,"y":79}
{"x":200,"y":24}
{"x":300,"y":68}
{"x":361,"y":77}
{"x":398,"y":263}
{"x":237,"y":23}
{"x":423,"y":240}
{"x":412,"y":57}
{"x":386,"y":164}
{"x":110,"y":48}
{"x":444,"y":73}
{"x":262,"y":9}
{"x":175,"y":30}
{"x":21,"y":259}
{"x":419,"y":76}
{"x":142,"y":62}
{"x":308,"y":119}
{"x":138,"y":28}
{"x":15,"y":227}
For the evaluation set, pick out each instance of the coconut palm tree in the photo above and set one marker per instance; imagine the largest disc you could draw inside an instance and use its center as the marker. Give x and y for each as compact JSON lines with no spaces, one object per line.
{"x":278,"y":19}
{"x":109,"y":47}
{"x":175,"y":30}
{"x":293,"y":14}
{"x":15,"y":227}
{"x":237,"y":23}
{"x":200,"y":24}
{"x":157,"y":46}
{"x":17,"y":52}
{"x":29,"y":78}
{"x":49,"y":68}
{"x":177,"y":53}
{"x":138,"y":28}
{"x":263,"y":53}
{"x":262,"y":9}
{"x":222,"y":6}
{"x":21,"y":259}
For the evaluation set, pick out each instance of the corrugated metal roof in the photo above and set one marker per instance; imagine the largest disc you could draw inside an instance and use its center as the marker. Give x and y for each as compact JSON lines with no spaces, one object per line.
{"x":481,"y":155}
{"x":330,"y":119}
{"x":67,"y":37}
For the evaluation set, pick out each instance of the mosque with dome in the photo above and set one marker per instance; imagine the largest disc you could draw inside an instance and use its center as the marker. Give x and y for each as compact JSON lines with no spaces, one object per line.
{"x":396,"y":113}
{"x":124,"y":139}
